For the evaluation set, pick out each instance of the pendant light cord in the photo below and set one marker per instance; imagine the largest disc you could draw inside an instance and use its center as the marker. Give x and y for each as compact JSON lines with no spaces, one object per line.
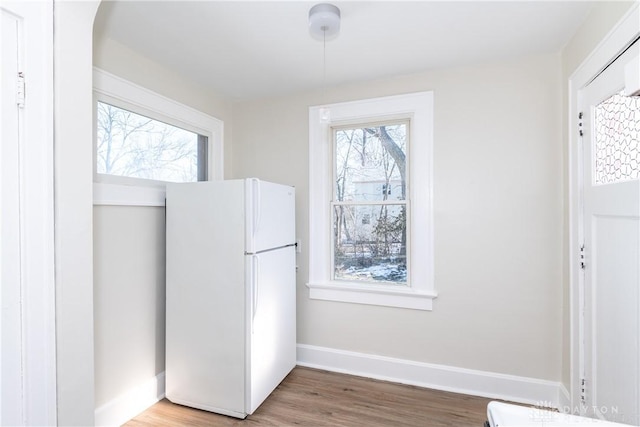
{"x":324,"y":67}
{"x":324,"y":22}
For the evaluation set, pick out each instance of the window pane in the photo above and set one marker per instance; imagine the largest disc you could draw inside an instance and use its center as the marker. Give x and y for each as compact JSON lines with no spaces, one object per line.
{"x":370,"y":243}
{"x":371,"y":163}
{"x":139,"y":147}
{"x":617,"y":130}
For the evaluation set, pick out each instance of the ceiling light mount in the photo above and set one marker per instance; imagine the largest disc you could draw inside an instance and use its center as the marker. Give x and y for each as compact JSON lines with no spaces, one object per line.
{"x":324,"y":21}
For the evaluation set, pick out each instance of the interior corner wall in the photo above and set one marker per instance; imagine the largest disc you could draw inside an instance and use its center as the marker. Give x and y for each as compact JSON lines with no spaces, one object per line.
{"x":498,"y":218}
{"x":600,"y":21}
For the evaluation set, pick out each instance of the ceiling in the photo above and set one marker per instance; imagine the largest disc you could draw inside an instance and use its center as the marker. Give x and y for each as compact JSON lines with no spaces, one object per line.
{"x":243,"y":50}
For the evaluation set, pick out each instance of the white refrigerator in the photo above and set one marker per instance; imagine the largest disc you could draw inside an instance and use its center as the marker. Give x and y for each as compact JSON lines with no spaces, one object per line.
{"x":231,"y":302}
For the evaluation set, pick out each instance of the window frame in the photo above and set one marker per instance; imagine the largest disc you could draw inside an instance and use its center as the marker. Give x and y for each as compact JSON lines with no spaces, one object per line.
{"x":418,"y":109}
{"x":121,"y":93}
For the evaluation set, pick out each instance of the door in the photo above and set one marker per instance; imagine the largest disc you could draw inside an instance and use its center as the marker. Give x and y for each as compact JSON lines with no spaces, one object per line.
{"x":11,"y":409}
{"x":270,"y":215}
{"x":272,"y":319}
{"x":27,"y":292}
{"x":611,"y":236}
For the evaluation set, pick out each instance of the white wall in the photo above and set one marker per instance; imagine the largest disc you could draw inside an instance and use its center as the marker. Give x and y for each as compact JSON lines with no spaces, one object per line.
{"x":498,"y":218}
{"x":129,"y":298}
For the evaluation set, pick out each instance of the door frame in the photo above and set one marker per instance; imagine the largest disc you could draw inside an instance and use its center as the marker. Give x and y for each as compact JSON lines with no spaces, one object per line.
{"x":36,"y":217}
{"x":627,"y":31}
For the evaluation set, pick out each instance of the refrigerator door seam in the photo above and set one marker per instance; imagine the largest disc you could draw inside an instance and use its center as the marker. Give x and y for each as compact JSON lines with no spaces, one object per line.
{"x":256,"y":274}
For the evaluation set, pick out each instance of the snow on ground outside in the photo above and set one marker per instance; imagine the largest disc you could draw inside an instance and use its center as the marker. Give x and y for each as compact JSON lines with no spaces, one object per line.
{"x":382,"y":272}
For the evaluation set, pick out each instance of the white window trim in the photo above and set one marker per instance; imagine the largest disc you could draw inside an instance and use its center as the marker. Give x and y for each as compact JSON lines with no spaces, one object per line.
{"x":117,"y":190}
{"x":418,"y":107}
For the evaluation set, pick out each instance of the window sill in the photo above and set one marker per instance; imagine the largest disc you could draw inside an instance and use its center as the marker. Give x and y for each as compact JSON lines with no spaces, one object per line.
{"x":360,"y":294}
{"x":127,"y":195}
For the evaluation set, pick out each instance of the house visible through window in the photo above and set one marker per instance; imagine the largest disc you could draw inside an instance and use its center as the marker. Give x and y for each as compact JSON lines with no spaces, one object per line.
{"x":135,"y":146}
{"x":370,"y":226}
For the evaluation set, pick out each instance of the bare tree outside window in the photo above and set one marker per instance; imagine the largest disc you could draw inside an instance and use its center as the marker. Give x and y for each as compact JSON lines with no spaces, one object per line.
{"x":370,"y":206}
{"x":132,"y":145}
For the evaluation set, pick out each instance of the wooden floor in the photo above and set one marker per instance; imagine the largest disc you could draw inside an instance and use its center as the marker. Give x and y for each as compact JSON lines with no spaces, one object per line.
{"x":309,"y":397}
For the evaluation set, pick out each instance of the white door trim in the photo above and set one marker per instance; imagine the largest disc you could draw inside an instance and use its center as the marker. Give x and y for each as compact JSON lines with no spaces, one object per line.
{"x":627,"y":30}
{"x":36,"y":214}
{"x":11,"y":321}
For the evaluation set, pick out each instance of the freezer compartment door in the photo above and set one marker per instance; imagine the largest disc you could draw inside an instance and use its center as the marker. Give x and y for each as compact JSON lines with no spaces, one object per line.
{"x":272,"y":318}
{"x":270,"y":215}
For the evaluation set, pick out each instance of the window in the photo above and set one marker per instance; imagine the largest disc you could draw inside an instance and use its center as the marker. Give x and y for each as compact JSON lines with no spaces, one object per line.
{"x":143,"y":140}
{"x":367,"y":158}
{"x":136,"y":146}
{"x":370,"y":202}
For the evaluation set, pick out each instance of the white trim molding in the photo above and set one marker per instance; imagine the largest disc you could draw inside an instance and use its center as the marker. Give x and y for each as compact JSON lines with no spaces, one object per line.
{"x":390,"y":296}
{"x":418,"y":109}
{"x":493,"y":385}
{"x":127,"y":195}
{"x":131,"y":403}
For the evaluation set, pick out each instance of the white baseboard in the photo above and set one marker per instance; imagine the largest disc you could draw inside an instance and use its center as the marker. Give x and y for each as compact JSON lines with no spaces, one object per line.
{"x":440,"y":377}
{"x":126,"y":406}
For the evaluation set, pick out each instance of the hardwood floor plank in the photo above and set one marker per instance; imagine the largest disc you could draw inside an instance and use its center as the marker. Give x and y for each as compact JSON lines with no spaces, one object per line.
{"x":311,"y":397}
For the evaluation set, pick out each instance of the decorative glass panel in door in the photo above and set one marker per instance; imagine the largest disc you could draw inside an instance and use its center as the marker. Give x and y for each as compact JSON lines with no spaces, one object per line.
{"x":617,"y":130}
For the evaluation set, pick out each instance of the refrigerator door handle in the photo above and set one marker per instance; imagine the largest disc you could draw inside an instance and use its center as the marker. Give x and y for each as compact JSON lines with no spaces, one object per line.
{"x":255,"y":271}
